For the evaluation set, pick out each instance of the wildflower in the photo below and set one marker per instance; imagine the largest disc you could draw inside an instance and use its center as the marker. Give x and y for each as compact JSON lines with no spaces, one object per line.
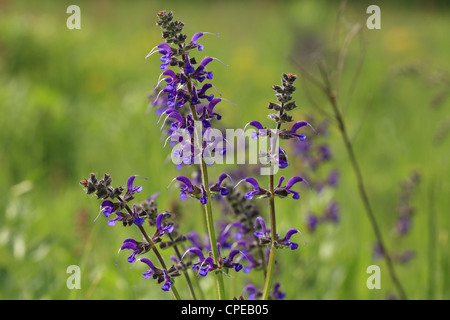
{"x":264,"y":233}
{"x":148,"y":273}
{"x":198,"y":266}
{"x":188,"y":188}
{"x":167,"y":53}
{"x":286,"y":240}
{"x":136,"y":246}
{"x":204,"y":196}
{"x":284,"y":191}
{"x":131,"y":188}
{"x":198,"y":252}
{"x":257,"y":190}
{"x":120,"y":216}
{"x":282,"y":159}
{"x":159,"y":229}
{"x":261,"y":131}
{"x":159,"y":274}
{"x":188,"y":67}
{"x":195,"y":38}
{"x":277,"y":293}
{"x":252,"y":292}
{"x":108,"y":207}
{"x":229,"y":262}
{"x":203,"y":271}
{"x":200,"y":74}
{"x":167,"y":283}
{"x":202,"y":92}
{"x":137,"y":219}
{"x":217,"y":186}
{"x":292,"y":133}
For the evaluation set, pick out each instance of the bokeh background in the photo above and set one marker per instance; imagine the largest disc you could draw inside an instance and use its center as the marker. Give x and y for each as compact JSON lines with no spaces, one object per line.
{"x":74,"y":102}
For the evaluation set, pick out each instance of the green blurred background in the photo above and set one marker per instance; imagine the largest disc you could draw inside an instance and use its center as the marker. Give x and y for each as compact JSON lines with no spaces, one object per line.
{"x":74,"y":102}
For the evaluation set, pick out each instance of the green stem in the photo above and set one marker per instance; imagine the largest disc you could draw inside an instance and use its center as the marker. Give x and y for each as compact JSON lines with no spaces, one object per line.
{"x":273,"y":234}
{"x":209,"y":215}
{"x":273,"y":224}
{"x":207,"y":206}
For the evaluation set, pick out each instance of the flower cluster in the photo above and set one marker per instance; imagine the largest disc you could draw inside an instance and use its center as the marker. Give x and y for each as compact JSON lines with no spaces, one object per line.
{"x":277,"y":155}
{"x":188,"y":105}
{"x":117,"y":203}
{"x":187,"y":99}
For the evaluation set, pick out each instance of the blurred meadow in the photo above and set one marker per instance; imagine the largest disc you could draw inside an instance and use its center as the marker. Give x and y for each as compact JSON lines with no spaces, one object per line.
{"x":74,"y":102}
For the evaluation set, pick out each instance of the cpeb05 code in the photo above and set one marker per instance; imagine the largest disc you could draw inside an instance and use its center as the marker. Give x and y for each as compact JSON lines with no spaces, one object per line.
{"x":250,"y":309}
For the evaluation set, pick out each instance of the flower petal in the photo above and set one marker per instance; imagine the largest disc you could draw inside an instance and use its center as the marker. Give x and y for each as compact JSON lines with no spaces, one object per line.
{"x":196,"y":36}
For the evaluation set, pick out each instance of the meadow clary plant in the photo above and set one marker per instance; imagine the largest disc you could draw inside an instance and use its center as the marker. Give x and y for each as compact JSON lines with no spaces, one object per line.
{"x":236,"y":242}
